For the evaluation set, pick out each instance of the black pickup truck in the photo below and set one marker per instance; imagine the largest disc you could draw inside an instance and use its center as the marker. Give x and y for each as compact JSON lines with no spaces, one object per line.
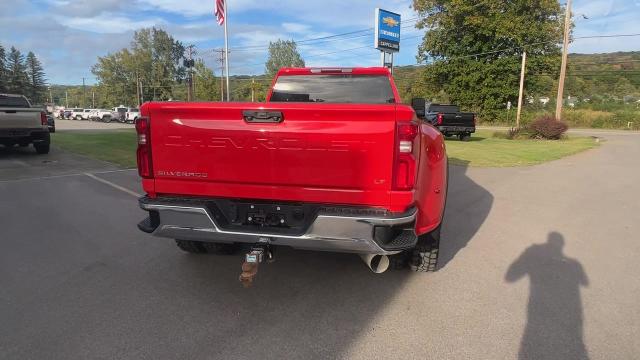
{"x":447,"y":118}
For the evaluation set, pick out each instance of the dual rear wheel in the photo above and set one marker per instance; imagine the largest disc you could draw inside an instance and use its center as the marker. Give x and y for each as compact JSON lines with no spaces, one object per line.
{"x":422,"y":258}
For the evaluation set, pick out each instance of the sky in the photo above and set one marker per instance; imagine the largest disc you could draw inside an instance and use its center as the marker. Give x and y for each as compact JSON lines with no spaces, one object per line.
{"x":69,"y":35}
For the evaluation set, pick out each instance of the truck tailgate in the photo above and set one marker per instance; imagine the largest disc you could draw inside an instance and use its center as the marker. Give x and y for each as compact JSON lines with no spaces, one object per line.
{"x":458,"y":119}
{"x":318,"y":152}
{"x":20,"y":118}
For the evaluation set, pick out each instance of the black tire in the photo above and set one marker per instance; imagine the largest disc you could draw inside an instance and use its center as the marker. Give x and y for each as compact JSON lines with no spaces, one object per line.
{"x":221,"y":249}
{"x":42,"y":148}
{"x":464,"y":137}
{"x":106,"y":119}
{"x":424,"y":257}
{"x":193,"y":247}
{"x":399,"y":261}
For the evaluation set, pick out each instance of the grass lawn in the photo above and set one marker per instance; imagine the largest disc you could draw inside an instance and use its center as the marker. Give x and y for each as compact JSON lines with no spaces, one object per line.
{"x":119,"y":147}
{"x":485,"y":151}
{"x":115,"y":146}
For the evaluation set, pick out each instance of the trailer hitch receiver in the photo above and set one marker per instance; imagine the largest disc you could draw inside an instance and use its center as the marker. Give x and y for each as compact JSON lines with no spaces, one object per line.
{"x":251,"y":262}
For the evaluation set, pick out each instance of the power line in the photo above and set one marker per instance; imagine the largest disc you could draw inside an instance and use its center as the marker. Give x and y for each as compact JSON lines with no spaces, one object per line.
{"x":324,"y":54}
{"x":330,"y":38}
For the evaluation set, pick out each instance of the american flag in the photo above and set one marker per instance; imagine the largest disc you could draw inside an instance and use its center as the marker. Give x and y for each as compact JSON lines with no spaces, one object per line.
{"x":219,"y":11}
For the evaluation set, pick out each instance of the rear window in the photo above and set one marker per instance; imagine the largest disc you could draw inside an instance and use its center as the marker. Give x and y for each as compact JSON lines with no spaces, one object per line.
{"x":343,"y":88}
{"x":133,"y":110}
{"x":13,"y":101}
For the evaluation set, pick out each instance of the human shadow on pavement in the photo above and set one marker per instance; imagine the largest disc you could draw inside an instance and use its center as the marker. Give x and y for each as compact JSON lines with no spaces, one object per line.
{"x":468,"y":206}
{"x":554,"y":327}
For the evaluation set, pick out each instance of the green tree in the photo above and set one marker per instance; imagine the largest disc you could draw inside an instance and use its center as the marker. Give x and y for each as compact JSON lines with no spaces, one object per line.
{"x":153,"y":59}
{"x":242,"y":88}
{"x":3,"y":70}
{"x":36,"y":86}
{"x":206,"y":87}
{"x":623,"y":87}
{"x":282,"y":53}
{"x":17,"y":79}
{"x":497,"y":31}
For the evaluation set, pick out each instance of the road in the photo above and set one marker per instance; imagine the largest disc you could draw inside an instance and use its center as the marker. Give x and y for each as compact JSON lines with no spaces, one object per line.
{"x":537,"y":263}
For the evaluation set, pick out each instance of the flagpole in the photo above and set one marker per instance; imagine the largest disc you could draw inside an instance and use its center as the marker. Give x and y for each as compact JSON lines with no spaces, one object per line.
{"x":226,"y":46}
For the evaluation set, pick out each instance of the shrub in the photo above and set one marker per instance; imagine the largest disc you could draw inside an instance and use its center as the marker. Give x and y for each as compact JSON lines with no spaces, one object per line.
{"x":546,"y":127}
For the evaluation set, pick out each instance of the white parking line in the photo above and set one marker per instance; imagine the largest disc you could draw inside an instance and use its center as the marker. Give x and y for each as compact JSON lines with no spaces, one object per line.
{"x":115,"y":186}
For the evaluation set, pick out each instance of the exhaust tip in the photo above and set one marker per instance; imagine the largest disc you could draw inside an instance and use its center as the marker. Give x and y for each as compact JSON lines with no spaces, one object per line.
{"x":376,"y":263}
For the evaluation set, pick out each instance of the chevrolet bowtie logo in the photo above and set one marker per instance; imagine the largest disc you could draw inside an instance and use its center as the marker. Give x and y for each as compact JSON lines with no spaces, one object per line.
{"x":390,"y":21}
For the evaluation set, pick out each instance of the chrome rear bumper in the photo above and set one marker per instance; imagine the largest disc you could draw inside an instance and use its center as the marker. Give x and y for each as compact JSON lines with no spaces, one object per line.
{"x":328,"y":232}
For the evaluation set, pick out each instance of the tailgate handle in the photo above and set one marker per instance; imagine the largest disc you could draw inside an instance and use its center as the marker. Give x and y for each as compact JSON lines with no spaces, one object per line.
{"x":262,"y":117}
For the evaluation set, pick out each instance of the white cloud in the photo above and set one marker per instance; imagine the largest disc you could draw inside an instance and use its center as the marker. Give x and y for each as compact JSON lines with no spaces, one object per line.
{"x":295,"y":27}
{"x":89,"y":8}
{"x":110,"y":24}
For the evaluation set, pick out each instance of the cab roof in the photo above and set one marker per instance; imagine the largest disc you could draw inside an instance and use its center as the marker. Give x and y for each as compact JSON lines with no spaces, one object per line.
{"x":334,"y":70}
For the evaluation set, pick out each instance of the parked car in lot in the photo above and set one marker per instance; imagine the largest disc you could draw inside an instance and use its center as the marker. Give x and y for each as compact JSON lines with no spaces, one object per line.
{"x":100,"y":114}
{"x":85,"y":114}
{"x":447,"y":118}
{"x":132,"y":115}
{"x":332,"y":161}
{"x":21,"y":124}
{"x":120,"y":113}
{"x":51,"y":123}
{"x":76,"y":114}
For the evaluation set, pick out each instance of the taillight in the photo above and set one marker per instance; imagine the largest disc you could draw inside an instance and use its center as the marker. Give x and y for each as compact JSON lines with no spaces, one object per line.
{"x":440,"y":117}
{"x":43,"y":118}
{"x":143,"y":153}
{"x":404,"y":170}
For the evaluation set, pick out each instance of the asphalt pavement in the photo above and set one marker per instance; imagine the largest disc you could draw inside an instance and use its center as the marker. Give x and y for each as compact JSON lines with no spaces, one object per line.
{"x":63,"y":124}
{"x":537,"y":262}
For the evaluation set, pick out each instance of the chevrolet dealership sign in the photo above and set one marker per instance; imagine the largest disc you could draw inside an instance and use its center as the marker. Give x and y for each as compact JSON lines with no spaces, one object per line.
{"x":387,"y":31}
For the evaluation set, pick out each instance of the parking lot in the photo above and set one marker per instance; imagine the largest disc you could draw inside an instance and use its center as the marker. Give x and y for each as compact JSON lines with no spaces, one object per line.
{"x":64,"y":124}
{"x":538,"y":263}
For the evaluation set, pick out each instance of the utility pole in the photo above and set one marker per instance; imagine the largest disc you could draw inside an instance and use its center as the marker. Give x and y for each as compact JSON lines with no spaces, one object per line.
{"x":563,"y":67}
{"x":522,"y":71}
{"x":84,"y":94}
{"x":253,"y":90}
{"x":50,"y":95}
{"x":141,"y":93}
{"x":138,"y":88}
{"x":190,"y":64}
{"x":66,"y":99}
{"x":226,"y":46}
{"x":221,"y":60}
{"x":93,"y":99}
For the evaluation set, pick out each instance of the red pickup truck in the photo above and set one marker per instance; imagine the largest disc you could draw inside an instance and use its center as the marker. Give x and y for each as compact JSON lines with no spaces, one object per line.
{"x":332,"y":161}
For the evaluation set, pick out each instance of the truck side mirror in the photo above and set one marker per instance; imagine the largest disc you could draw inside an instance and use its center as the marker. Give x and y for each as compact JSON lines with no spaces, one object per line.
{"x":419,"y":105}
